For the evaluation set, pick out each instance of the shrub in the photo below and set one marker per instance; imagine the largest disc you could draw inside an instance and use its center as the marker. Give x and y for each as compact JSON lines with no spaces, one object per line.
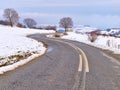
{"x":92,"y":36}
{"x":65,"y":33}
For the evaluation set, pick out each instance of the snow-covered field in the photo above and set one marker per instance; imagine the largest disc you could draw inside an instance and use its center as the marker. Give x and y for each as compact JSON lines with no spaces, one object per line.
{"x":84,"y":29}
{"x":14,"y":44}
{"x":110,"y":43}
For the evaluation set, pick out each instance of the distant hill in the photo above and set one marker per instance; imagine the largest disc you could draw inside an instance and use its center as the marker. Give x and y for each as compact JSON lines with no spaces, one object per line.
{"x":84,"y":29}
{"x":87,"y":29}
{"x":112,"y":31}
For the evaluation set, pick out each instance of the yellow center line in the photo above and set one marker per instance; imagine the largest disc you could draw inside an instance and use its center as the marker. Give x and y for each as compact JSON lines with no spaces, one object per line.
{"x":85,"y":57}
{"x":86,"y":60}
{"x":80,"y":64}
{"x":80,"y":56}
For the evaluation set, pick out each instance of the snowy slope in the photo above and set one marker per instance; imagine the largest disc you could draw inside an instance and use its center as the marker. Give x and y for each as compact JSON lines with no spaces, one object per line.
{"x":13,"y":40}
{"x":14,"y":44}
{"x":110,"y":43}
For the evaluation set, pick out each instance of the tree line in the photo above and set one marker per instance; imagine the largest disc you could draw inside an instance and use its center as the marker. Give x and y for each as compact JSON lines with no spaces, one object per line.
{"x":12,"y":18}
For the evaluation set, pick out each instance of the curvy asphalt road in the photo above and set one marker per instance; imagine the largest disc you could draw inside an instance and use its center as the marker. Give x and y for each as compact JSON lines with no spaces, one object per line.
{"x":59,"y":68}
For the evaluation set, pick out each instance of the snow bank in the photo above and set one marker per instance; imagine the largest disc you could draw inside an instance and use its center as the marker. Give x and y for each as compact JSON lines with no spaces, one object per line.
{"x":13,"y":41}
{"x":110,"y":43}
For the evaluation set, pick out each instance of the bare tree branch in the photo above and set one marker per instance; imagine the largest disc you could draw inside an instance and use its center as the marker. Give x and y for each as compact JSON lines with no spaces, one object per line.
{"x":11,"y":16}
{"x":66,"y":23}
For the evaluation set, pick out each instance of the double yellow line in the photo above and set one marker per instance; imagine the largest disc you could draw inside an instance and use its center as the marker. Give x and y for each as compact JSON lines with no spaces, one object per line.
{"x":82,"y":55}
{"x":83,"y":66}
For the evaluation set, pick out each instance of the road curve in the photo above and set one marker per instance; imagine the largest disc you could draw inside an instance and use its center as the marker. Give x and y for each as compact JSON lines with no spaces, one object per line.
{"x":56,"y":70}
{"x":104,"y":71}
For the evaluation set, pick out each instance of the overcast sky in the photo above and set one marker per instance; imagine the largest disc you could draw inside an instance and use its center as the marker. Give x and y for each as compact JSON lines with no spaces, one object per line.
{"x":96,"y":13}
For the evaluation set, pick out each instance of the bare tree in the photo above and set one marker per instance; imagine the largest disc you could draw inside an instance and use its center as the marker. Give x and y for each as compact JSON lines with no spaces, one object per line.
{"x":11,"y":16}
{"x":66,"y":22}
{"x":30,"y":22}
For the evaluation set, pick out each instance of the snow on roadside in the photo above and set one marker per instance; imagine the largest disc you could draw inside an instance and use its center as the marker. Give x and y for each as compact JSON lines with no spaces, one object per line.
{"x":110,"y":43}
{"x":13,"y":41}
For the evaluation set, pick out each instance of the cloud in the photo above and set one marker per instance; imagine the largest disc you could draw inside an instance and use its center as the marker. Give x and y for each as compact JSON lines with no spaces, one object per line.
{"x":34,"y":15}
{"x":99,"y":13}
{"x":77,"y":3}
{"x":44,"y":18}
{"x":58,"y":3}
{"x":96,"y":20}
{"x":41,"y":15}
{"x":103,"y":21}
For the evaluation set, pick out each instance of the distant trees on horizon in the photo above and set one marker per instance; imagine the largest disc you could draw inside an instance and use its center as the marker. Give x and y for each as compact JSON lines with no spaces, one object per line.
{"x":29,"y":22}
{"x":66,"y":22}
{"x":12,"y":18}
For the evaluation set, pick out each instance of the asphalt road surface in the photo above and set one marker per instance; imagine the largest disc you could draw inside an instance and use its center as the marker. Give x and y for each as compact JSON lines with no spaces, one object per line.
{"x":59,"y":68}
{"x":104,"y":71}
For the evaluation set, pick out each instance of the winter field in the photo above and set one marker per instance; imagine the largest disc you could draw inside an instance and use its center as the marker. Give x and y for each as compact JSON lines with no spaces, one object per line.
{"x":16,"y":49}
{"x":104,"y":42}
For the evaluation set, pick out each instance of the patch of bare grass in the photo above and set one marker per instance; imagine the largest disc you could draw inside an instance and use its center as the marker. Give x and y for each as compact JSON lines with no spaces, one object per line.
{"x":14,"y":58}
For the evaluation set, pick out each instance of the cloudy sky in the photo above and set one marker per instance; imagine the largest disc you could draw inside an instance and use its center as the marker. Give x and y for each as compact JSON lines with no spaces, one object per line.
{"x":96,"y":13}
